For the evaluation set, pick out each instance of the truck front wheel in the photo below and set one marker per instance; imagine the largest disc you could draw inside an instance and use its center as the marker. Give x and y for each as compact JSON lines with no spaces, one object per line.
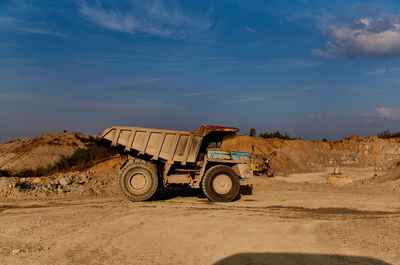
{"x":220,"y":184}
{"x":138,"y":181}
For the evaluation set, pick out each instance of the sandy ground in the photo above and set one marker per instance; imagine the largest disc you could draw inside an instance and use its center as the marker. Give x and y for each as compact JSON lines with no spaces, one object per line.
{"x":297,"y":219}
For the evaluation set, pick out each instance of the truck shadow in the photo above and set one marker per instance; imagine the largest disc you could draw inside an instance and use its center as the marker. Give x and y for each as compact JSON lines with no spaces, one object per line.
{"x":296,"y":258}
{"x":175,"y":191}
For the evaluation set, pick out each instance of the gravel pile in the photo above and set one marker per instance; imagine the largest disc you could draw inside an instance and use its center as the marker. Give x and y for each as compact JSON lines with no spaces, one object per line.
{"x":63,"y":184}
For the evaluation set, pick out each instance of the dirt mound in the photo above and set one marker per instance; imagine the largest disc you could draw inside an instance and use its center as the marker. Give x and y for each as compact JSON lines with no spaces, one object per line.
{"x":339,"y":180}
{"x":392,"y":175}
{"x":356,"y":138}
{"x":41,"y":151}
{"x":99,"y":179}
{"x":353,"y":138}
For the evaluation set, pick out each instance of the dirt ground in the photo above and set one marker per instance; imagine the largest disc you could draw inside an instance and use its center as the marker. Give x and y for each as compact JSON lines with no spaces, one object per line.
{"x":293,"y":219}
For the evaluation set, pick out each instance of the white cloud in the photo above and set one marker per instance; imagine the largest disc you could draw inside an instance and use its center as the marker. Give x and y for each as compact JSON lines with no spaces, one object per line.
{"x":379,"y":112}
{"x":144,"y":84}
{"x":383,"y":112}
{"x":395,"y":80}
{"x":299,"y":63}
{"x":251,"y":30}
{"x":245,"y":99}
{"x":8,"y":44}
{"x":388,"y":113}
{"x":64,"y":102}
{"x":384,"y":71}
{"x":366,"y":37}
{"x":321,"y":116}
{"x":190,"y":94}
{"x":110,"y":20}
{"x":25,"y":26}
{"x":291,"y":63}
{"x":150,"y":17}
{"x":155,"y":79}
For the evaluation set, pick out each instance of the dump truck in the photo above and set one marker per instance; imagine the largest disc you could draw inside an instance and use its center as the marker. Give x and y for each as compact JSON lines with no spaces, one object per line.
{"x":158,"y":158}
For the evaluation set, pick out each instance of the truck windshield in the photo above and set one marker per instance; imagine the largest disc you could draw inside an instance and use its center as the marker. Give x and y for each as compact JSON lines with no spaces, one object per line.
{"x":214,"y":144}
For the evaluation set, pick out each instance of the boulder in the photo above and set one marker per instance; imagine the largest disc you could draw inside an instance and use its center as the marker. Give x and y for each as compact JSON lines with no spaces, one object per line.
{"x":65,"y":181}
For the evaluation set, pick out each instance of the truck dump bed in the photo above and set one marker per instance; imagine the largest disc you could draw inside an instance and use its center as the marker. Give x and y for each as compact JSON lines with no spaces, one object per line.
{"x":172,"y":146}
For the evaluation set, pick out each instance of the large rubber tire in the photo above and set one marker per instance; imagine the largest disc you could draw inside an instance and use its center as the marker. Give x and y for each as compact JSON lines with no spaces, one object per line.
{"x":221,"y":184}
{"x":138,"y":181}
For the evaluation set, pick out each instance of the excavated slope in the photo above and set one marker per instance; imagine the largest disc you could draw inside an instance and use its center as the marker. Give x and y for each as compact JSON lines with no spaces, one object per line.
{"x":301,"y":155}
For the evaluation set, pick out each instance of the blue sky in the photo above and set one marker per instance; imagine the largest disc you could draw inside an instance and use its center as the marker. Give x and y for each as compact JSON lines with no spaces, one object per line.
{"x":312,"y":68}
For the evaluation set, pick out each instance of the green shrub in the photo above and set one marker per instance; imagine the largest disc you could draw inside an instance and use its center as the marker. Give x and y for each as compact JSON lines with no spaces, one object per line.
{"x":388,"y":135}
{"x":83,"y":157}
{"x":86,"y":140}
{"x":276,"y":134}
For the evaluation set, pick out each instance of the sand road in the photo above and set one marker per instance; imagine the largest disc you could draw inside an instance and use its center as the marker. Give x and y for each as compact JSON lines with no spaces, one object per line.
{"x":280,"y":223}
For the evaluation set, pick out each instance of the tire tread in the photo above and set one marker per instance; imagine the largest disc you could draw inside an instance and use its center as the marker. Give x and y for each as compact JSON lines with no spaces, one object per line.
{"x":206,"y":179}
{"x":149,"y":193}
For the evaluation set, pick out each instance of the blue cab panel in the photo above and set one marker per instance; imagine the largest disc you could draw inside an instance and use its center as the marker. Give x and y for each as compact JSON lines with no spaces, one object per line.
{"x":227,"y":155}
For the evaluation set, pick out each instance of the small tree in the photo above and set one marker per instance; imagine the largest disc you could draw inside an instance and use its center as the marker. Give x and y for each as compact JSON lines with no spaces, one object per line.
{"x":252,"y":132}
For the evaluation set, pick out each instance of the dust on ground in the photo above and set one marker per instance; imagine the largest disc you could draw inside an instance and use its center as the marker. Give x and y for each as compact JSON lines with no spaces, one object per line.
{"x":280,"y":223}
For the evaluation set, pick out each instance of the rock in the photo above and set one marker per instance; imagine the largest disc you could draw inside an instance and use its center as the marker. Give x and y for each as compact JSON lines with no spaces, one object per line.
{"x":12,"y":183}
{"x":39,"y":248}
{"x":51,"y":186}
{"x":91,"y":192}
{"x":339,"y":180}
{"x":65,"y":181}
{"x":83,"y":179}
{"x":36,"y":180}
{"x":16,"y":252}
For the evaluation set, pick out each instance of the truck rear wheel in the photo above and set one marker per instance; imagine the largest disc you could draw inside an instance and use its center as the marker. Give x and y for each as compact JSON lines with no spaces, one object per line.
{"x":138,"y":181}
{"x":221,"y":184}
